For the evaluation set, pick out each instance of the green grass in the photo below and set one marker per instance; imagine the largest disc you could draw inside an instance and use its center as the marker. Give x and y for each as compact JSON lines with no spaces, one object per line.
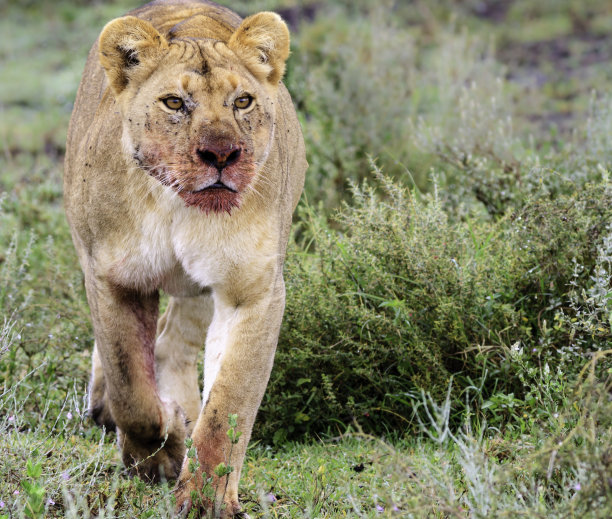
{"x":446,"y":346}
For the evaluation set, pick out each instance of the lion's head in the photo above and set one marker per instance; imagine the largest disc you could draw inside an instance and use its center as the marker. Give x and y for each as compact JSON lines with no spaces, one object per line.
{"x":198,"y":113}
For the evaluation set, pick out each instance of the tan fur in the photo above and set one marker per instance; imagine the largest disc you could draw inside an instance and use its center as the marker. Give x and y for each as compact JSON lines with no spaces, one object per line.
{"x":196,"y":202}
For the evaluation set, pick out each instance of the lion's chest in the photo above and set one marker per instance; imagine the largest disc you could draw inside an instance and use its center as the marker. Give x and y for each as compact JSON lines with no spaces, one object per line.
{"x":186,"y":252}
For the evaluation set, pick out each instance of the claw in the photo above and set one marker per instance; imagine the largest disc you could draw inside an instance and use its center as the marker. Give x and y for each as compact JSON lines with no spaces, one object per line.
{"x":183,"y":510}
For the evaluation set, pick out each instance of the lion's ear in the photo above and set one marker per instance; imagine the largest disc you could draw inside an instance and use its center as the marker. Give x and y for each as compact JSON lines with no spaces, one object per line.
{"x":127,"y":46}
{"x":262,"y":43}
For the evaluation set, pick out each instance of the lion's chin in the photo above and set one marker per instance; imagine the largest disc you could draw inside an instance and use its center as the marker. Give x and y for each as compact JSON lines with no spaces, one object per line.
{"x":212,"y":200}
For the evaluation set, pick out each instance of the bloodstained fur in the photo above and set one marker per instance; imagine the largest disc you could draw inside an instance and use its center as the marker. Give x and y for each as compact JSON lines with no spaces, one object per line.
{"x":186,"y":175}
{"x":217,"y":200}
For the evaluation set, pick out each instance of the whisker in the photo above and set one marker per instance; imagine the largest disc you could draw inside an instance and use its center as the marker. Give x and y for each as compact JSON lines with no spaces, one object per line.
{"x":254,"y":190}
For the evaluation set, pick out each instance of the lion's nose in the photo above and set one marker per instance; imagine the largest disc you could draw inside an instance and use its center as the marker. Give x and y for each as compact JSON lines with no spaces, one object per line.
{"x":219,"y":157}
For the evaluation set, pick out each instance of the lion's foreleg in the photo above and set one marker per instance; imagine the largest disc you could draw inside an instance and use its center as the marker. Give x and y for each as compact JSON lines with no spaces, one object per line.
{"x":242,"y":360}
{"x":181,"y":336}
{"x":151,"y":433}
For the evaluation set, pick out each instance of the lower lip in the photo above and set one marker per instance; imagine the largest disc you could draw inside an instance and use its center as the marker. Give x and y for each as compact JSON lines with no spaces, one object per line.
{"x":212,"y":199}
{"x":216,"y":187}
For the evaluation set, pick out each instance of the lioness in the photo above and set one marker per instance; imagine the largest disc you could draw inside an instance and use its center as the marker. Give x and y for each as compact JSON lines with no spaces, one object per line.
{"x":184,"y":163}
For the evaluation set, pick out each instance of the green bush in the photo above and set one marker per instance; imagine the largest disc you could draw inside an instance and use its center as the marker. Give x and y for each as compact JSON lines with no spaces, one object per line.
{"x":401,"y":298}
{"x":368,"y":84}
{"x":344,"y":80}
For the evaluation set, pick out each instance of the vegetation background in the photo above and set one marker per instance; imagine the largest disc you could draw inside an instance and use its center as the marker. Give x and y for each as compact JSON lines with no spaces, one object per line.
{"x":446,"y":350}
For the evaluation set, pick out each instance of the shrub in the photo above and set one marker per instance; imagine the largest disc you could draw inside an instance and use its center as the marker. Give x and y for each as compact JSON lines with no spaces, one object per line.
{"x":369,"y":84}
{"x":401,"y":298}
{"x":345,"y":79}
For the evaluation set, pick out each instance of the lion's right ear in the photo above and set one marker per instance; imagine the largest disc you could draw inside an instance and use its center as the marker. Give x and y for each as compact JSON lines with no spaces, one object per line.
{"x":127,"y":46}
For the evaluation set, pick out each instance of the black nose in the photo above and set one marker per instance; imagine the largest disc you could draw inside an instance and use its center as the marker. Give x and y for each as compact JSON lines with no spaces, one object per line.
{"x":219,"y":157}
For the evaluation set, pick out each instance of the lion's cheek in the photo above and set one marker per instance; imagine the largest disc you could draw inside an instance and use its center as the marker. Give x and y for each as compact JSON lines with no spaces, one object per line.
{"x":156,"y":159}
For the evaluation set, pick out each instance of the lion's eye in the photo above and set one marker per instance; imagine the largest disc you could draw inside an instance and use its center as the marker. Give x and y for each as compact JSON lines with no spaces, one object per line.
{"x":174,"y":103}
{"x":243,"y":102}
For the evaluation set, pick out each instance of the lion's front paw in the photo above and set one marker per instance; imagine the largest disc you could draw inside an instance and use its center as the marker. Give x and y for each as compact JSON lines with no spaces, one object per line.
{"x":157,"y":458}
{"x":190,"y":499}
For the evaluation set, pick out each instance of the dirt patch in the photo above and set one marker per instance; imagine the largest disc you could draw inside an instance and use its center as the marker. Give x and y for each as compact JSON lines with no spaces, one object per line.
{"x":561,"y":53}
{"x":294,"y":16}
{"x":495,"y":11}
{"x":568,"y":69}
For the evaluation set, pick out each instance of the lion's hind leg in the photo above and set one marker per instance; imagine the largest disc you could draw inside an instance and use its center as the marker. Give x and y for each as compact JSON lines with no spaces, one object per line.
{"x":99,"y":409}
{"x":181,"y":333}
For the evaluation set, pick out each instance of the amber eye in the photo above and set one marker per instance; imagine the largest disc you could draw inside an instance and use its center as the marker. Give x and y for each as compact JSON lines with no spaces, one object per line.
{"x":243,"y":102}
{"x":174,"y":103}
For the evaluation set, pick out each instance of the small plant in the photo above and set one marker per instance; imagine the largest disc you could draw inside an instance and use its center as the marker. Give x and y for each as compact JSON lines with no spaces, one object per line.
{"x":207,"y":491}
{"x":34,"y":491}
{"x":223,"y":470}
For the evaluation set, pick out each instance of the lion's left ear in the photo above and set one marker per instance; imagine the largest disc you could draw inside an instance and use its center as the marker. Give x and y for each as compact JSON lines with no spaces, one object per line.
{"x":262,"y":42}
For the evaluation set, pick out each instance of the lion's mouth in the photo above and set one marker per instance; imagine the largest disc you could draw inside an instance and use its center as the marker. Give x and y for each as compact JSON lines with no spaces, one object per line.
{"x":216,"y":186}
{"x":216,"y":198}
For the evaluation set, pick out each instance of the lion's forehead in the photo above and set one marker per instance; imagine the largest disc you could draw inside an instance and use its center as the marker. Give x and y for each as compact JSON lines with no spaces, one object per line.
{"x":209,"y":60}
{"x":203,"y":52}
